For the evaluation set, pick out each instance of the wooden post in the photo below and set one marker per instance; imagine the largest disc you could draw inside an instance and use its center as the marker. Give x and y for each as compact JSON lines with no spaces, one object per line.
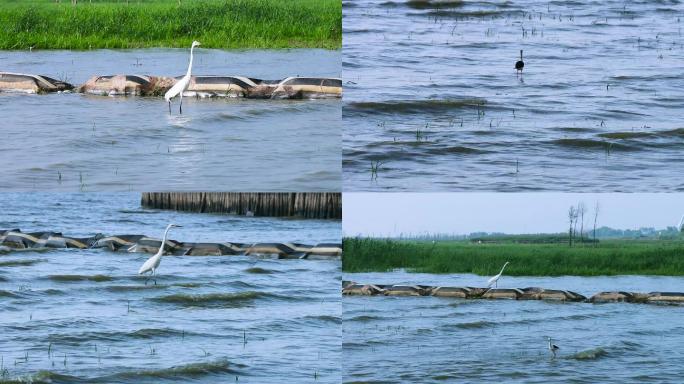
{"x":318,"y":205}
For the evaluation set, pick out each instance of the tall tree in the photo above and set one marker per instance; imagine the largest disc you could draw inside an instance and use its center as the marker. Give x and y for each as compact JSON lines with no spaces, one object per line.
{"x":571,"y":218}
{"x":574,"y":229}
{"x":581,"y":208}
{"x":596,"y":212}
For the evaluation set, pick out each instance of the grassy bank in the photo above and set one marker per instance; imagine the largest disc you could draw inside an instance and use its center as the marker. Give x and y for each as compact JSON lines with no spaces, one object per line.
{"x":610,"y":257}
{"x":46,"y":24}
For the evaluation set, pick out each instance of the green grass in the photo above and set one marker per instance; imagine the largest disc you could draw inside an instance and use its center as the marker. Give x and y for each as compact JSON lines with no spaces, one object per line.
{"x":609,"y":257}
{"x":46,"y":24}
{"x":555,"y":238}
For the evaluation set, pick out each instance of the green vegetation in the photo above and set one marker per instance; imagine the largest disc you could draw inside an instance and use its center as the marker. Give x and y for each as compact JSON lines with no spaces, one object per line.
{"x":46,"y":24}
{"x":532,"y":239}
{"x":608,"y":257}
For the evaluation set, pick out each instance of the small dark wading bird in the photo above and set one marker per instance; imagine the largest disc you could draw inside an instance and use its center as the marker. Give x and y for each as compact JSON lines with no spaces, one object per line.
{"x":552,"y":347}
{"x":152,"y":263}
{"x":519,"y":65}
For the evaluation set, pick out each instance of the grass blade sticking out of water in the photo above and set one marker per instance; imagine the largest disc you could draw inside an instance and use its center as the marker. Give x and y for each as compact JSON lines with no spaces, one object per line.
{"x":375,"y":167}
{"x":609,"y":257}
{"x":45,"y":24}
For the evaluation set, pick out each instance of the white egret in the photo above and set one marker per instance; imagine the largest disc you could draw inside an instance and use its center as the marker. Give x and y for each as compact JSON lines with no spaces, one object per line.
{"x":182,"y":84}
{"x":152,"y":263}
{"x":494,"y":280}
{"x":552,"y":347}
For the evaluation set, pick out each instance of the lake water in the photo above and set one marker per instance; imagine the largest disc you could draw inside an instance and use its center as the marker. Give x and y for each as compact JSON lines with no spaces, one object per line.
{"x":435,"y":340}
{"x":432,"y":94}
{"x":75,"y":142}
{"x":72,"y":316}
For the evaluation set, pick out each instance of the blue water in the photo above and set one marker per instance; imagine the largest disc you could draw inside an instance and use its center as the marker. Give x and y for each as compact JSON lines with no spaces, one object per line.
{"x":74,"y":142}
{"x":436,"y":340}
{"x":71,"y":316}
{"x":431,"y":94}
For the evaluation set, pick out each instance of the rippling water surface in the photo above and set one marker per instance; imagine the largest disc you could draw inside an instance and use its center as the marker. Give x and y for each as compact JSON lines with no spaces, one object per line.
{"x":432,"y":340}
{"x":432,"y":94}
{"x":73,"y":142}
{"x":71,"y":316}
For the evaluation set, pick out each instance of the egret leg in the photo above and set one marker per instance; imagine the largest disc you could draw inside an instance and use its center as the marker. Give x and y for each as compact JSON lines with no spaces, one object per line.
{"x":181,"y":102}
{"x":169,"y":107}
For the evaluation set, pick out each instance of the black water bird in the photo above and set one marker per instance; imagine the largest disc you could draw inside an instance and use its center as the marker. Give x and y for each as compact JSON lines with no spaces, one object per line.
{"x":552,"y":347}
{"x":520,"y":64}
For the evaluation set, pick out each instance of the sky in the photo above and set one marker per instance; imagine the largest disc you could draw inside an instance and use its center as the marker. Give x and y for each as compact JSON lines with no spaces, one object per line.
{"x":391,"y":214}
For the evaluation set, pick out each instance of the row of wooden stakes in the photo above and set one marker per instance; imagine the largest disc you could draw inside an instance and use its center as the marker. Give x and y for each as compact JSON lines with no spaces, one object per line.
{"x":306,"y":205}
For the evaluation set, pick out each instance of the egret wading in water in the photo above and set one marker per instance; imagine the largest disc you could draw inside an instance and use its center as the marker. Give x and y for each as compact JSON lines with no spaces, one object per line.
{"x":520,"y":64}
{"x":552,"y":347}
{"x":152,"y":263}
{"x":494,"y":280}
{"x":182,"y":84}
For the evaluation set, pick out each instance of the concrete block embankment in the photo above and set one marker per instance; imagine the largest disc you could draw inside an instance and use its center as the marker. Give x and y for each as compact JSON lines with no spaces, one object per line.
{"x":11,"y":240}
{"x":350,"y":288}
{"x":200,"y":86}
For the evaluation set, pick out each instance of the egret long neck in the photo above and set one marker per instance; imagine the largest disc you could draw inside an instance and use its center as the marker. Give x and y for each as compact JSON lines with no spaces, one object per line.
{"x":190,"y":65}
{"x":161,"y":247}
{"x":502,"y":268}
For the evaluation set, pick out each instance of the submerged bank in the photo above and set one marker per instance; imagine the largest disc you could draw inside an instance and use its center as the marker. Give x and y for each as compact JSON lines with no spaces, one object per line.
{"x":400,"y":339}
{"x":102,"y":142}
{"x":436,"y":101}
{"x":85,"y":316}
